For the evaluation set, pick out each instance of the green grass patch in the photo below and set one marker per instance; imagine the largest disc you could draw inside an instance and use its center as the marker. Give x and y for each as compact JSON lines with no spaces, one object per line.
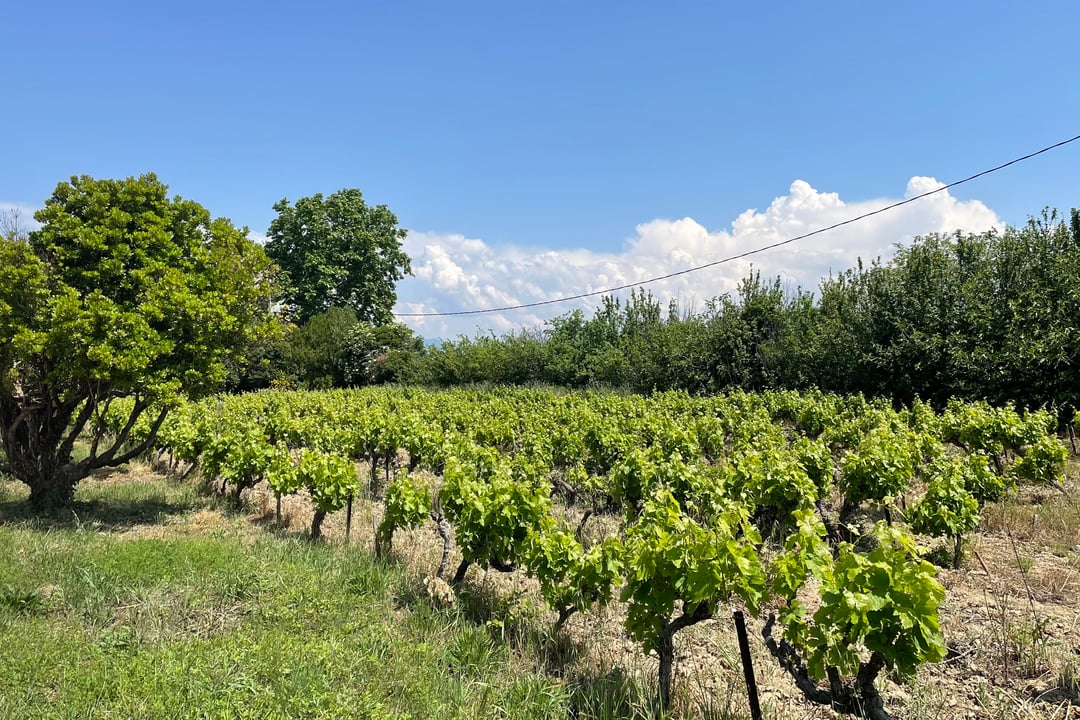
{"x":127,"y":607}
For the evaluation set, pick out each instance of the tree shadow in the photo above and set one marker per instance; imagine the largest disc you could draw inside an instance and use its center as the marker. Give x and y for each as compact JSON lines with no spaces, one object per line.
{"x":103,"y":506}
{"x":1058,"y":696}
{"x":103,"y":515}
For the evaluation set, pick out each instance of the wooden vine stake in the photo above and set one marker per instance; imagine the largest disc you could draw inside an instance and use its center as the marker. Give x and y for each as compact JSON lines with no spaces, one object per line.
{"x":747,"y":665}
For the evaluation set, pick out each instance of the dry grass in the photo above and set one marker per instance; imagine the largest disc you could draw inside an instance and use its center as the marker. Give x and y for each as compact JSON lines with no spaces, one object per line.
{"x":1011,"y":619}
{"x":1011,"y":616}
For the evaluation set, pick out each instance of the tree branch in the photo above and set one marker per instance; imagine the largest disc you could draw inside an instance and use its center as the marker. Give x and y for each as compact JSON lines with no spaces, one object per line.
{"x":121,"y":438}
{"x":99,"y":423}
{"x":703,"y":611}
{"x":146,"y":444}
{"x":89,"y":405}
{"x":21,"y":418}
{"x":569,"y":490}
{"x":580,"y":532}
{"x":792,"y":664}
{"x":109,"y":459}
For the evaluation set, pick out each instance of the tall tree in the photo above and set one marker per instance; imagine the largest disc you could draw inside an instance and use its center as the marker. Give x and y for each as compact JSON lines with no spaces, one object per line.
{"x":339,"y":252}
{"x":121,"y":293}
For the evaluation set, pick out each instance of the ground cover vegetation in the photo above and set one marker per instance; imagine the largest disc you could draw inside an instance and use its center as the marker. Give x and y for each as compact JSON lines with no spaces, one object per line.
{"x":799,"y":508}
{"x":153,"y":600}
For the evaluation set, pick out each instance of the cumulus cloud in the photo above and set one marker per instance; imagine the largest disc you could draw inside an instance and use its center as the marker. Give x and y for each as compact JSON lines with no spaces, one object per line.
{"x":455,"y":273}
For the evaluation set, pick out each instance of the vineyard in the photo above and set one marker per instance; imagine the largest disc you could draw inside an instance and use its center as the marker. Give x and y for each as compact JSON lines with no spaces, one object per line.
{"x":810,"y":513}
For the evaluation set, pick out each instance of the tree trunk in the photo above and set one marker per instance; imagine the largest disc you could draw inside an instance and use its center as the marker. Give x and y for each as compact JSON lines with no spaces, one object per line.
{"x":50,"y":477}
{"x":316,"y":524}
{"x":38,"y":440}
{"x":32,"y":441}
{"x":241,"y":486}
{"x":859,"y":697}
{"x":665,"y":648}
{"x":191,"y":468}
{"x":373,"y":483}
{"x":446,"y":533}
{"x":666,"y":652}
{"x":580,"y":532}
{"x":52,"y":491}
{"x":459,"y":576}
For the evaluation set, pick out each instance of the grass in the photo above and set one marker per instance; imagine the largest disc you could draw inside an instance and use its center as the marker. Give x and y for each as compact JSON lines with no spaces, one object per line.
{"x":147,"y":600}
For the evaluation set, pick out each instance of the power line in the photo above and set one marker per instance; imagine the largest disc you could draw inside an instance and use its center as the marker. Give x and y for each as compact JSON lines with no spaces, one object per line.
{"x":741,"y":255}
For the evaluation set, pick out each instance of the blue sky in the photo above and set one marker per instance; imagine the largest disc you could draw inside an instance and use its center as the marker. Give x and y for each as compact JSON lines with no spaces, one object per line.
{"x":542,"y":148}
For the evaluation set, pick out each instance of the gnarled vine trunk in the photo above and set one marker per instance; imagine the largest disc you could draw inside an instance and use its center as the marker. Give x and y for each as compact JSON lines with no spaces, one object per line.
{"x":665,"y":649}
{"x":858,"y":697}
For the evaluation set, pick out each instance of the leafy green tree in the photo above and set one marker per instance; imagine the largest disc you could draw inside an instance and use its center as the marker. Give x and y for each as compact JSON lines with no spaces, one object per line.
{"x":317,"y":353}
{"x":335,"y":349}
{"x":981,"y":316}
{"x":338,"y":251}
{"x":384,"y":354}
{"x":122,"y":292}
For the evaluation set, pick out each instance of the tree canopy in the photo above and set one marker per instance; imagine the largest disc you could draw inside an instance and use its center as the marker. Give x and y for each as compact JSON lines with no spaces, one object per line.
{"x":981,"y":316}
{"x":338,"y":252}
{"x":122,"y":292}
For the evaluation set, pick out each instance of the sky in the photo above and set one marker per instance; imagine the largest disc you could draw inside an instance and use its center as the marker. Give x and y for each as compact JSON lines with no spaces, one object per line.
{"x":538,"y":149}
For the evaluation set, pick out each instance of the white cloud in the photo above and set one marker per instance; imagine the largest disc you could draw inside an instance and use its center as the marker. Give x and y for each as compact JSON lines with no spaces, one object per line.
{"x":455,"y":273}
{"x":257,"y":237}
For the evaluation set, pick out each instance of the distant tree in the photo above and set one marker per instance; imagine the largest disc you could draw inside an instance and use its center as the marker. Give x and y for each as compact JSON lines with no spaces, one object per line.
{"x":386,"y":353}
{"x":121,"y":293}
{"x":335,"y":349}
{"x":318,"y":353}
{"x":338,"y":252}
{"x":12,"y":224}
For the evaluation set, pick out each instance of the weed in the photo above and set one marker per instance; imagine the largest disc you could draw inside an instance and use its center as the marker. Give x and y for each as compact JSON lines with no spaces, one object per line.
{"x":1068,"y":677}
{"x":1030,"y":647}
{"x":22,"y":602}
{"x":472,"y":653}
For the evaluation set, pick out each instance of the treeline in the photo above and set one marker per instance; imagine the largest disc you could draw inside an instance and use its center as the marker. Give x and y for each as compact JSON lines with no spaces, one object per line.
{"x":991,"y":316}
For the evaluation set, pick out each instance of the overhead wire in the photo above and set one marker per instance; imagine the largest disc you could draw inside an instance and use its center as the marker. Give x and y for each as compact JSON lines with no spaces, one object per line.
{"x":747,"y":253}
